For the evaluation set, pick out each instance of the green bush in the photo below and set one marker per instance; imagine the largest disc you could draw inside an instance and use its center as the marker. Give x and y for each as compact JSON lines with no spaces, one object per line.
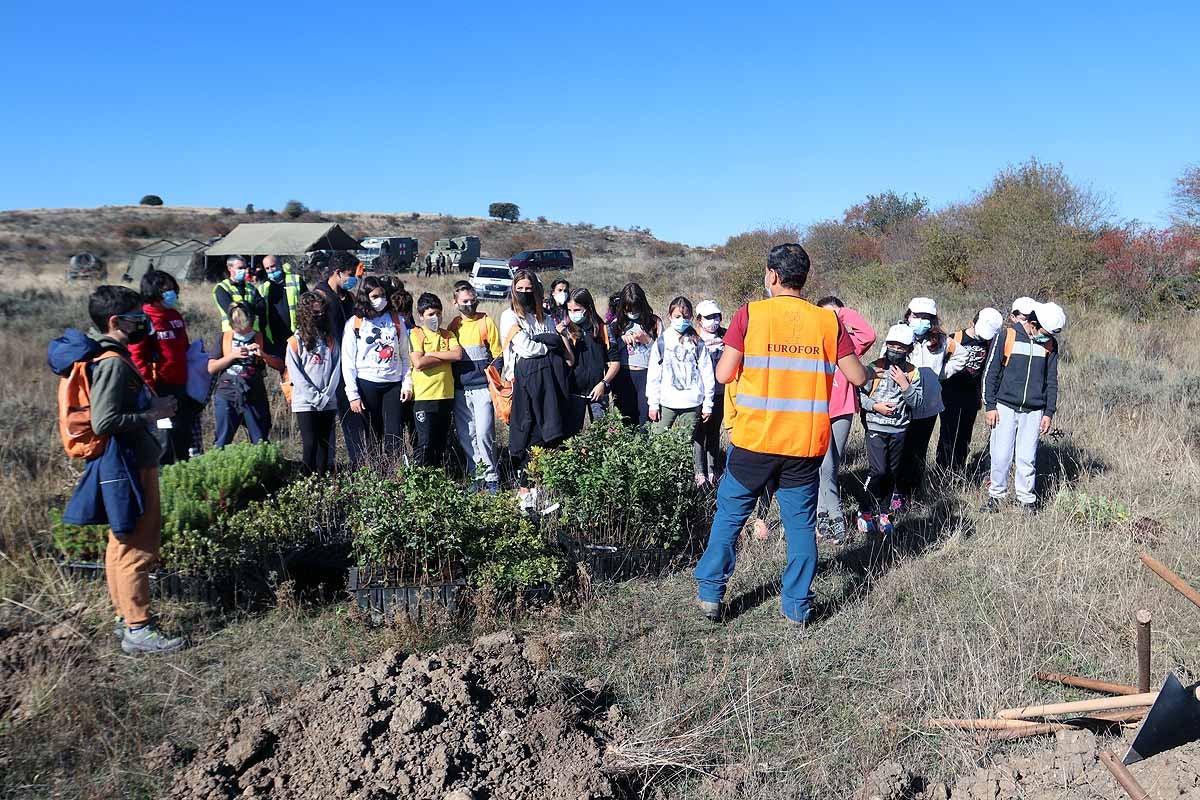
{"x":505,"y":549}
{"x":150,"y":200}
{"x":293,"y":209}
{"x":621,"y":487}
{"x":196,"y":495}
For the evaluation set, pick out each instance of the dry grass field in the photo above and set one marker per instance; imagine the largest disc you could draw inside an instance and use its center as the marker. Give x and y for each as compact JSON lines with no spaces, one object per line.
{"x":949,"y":620}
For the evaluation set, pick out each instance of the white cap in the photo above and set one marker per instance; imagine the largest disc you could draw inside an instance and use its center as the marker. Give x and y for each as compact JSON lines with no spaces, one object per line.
{"x":988,"y":324}
{"x":1050,"y":317}
{"x":707,"y":308}
{"x":923,"y":305}
{"x":900,"y":334}
{"x":1024,"y":305}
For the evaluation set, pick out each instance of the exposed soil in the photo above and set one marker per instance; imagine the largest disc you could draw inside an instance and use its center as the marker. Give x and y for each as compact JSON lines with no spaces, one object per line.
{"x":483,"y":722}
{"x":34,"y":657}
{"x":1070,"y":771}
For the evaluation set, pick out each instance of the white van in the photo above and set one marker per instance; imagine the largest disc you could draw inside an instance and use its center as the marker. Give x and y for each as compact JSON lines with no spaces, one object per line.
{"x":492,"y":278}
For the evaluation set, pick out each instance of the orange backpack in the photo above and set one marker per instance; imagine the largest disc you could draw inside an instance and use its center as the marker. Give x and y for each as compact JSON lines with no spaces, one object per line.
{"x":75,"y":409}
{"x":285,"y":380}
{"x":500,"y":389}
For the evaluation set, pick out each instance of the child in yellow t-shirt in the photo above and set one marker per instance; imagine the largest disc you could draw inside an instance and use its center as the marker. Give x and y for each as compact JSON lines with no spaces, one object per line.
{"x":433,"y":351}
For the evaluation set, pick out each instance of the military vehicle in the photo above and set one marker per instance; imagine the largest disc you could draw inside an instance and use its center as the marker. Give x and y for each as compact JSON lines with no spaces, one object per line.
{"x":87,"y":267}
{"x":461,"y":251}
{"x":397,"y":253}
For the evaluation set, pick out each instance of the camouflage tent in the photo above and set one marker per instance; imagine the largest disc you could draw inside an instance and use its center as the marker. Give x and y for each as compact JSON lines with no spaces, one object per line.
{"x":143,"y":258}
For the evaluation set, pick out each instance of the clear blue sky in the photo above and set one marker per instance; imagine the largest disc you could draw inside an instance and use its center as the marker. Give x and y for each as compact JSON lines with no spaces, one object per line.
{"x":696,"y":120}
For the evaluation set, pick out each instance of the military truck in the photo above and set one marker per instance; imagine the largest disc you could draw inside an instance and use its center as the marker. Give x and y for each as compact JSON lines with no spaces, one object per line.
{"x":87,"y":266}
{"x":461,"y":251}
{"x":397,"y":253}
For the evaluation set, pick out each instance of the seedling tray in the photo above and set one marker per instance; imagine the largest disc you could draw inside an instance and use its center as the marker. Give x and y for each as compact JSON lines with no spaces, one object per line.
{"x":382,"y":590}
{"x":609,"y":563}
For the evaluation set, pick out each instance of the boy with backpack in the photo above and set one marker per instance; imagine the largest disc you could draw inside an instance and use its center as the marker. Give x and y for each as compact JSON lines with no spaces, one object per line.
{"x":433,"y":350}
{"x":887,"y":402}
{"x":1020,"y":393}
{"x":106,"y":416}
{"x":474,"y":419}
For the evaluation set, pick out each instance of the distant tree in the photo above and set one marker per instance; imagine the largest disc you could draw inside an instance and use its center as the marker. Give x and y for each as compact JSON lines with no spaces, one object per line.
{"x":294,"y":208}
{"x":1186,"y":196}
{"x":226,"y":211}
{"x":509,"y":212}
{"x":249,"y":208}
{"x":542,"y":220}
{"x":882,"y":213}
{"x":151,"y":200}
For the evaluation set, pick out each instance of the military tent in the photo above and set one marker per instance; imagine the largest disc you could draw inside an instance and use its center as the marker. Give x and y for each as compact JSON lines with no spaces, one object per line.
{"x":143,"y":258}
{"x":282,"y":239}
{"x":185,"y":261}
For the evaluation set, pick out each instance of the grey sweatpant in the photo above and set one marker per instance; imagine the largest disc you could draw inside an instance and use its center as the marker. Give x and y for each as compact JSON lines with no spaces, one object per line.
{"x":828,"y":499}
{"x":1016,"y":432}
{"x":475,"y":423}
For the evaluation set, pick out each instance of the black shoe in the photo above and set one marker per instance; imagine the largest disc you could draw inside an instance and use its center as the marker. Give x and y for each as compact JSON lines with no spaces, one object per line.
{"x":992,"y":506}
{"x":713,"y":612}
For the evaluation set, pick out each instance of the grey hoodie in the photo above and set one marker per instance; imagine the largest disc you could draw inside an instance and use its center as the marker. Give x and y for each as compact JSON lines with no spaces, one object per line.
{"x":885,"y":390}
{"x":314,"y":374}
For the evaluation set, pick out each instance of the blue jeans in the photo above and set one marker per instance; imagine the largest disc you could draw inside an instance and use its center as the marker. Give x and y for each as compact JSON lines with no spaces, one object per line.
{"x":735,"y":504}
{"x":255,"y":414}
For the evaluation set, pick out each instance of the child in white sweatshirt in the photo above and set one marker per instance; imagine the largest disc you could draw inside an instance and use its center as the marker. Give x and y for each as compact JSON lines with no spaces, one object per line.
{"x":680,"y":381}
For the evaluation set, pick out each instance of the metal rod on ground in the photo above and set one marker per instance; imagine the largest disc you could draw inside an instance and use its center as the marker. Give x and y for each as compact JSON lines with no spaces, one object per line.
{"x":1143,"y":650}
{"x":1087,"y":683}
{"x":1177,"y":583}
{"x":1123,"y":776}
{"x":1080,"y":706}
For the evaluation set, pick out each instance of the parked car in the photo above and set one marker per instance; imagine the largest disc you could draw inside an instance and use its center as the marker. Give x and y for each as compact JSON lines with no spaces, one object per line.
{"x":543,"y":260}
{"x":492,"y":278}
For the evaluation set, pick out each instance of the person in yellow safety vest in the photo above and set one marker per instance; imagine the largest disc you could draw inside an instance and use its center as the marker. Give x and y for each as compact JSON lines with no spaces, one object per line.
{"x":280,"y":288}
{"x":237,"y":288}
{"x":783,"y":352}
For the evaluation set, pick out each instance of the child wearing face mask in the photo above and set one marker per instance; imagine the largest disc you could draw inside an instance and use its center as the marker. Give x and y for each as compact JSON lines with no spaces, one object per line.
{"x":162,"y":360}
{"x":706,"y":452}
{"x":375,"y":370}
{"x":634,"y":330}
{"x":888,"y":402}
{"x":434,"y":350}
{"x":680,"y":381}
{"x":474,"y":419}
{"x":240,"y":396}
{"x":595,"y":365}
{"x":556,"y":304}
{"x":1020,"y":393}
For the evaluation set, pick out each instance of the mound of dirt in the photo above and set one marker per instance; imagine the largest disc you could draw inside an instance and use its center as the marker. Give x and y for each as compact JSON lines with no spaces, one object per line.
{"x":466,"y":722}
{"x":33,"y":658}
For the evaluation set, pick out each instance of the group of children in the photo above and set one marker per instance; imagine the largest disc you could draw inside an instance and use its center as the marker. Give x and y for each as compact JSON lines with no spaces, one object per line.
{"x":407,"y":379}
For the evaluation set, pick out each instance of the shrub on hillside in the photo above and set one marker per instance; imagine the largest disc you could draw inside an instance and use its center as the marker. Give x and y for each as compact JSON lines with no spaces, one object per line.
{"x":294,"y":209}
{"x":150,"y":200}
{"x":509,"y":212}
{"x":885,"y":212}
{"x":747,"y":253}
{"x":619,"y":486}
{"x":1147,"y":270}
{"x":249,"y":208}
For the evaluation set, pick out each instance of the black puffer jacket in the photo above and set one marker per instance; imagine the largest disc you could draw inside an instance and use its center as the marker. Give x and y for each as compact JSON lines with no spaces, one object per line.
{"x":1029,"y":381}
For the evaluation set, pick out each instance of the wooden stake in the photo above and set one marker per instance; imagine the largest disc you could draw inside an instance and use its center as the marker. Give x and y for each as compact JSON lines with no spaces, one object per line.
{"x":977,"y":724}
{"x":1177,"y":583}
{"x":1080,"y":706}
{"x":1087,"y":683}
{"x":1123,"y":776}
{"x":1041,"y":728}
{"x":1143,"y":650}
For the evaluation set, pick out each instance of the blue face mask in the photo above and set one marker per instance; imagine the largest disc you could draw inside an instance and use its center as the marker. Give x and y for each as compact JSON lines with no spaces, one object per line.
{"x":1041,"y":338}
{"x":275,"y":275}
{"x":170,"y":298}
{"x":680,"y":324}
{"x":919,"y":326}
{"x":350,"y":283}
{"x":239,"y":276}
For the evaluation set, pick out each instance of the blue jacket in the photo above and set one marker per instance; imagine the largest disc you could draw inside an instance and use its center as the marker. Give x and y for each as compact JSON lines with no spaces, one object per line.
{"x":109,"y":491}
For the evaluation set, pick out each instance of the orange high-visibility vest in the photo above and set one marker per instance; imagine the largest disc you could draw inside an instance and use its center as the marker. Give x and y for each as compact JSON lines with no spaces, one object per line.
{"x":787,"y":375}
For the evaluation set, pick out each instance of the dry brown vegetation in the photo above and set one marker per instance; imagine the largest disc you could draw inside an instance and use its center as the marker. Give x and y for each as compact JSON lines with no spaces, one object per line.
{"x":949,"y":621}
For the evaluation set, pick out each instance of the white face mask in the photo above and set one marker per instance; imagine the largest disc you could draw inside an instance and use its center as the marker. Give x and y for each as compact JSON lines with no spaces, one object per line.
{"x":710,"y":325}
{"x":577,"y":316}
{"x":767,"y":285}
{"x":379,"y":303}
{"x":560,"y":298}
{"x":633,"y":314}
{"x":432,"y":323}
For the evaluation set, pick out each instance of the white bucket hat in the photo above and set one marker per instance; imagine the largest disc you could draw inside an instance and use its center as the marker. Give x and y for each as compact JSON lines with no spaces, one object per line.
{"x":923,"y":305}
{"x":900,"y":334}
{"x":707,"y":308}
{"x":1050,"y":317}
{"x":988,"y":324}
{"x":1024,"y":305}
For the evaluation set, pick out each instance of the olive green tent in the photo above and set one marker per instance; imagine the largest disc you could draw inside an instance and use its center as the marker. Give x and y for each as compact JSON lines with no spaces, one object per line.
{"x":282,"y":239}
{"x":185,"y":261}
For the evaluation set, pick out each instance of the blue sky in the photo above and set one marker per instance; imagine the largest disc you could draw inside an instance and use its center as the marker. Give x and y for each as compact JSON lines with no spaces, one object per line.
{"x":696,"y":120}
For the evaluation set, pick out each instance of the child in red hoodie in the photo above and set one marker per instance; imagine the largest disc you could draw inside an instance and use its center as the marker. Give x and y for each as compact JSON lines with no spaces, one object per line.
{"x":162,"y":359}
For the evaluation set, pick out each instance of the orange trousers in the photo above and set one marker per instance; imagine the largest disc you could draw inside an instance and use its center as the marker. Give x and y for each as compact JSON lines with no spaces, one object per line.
{"x":127,"y":563}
